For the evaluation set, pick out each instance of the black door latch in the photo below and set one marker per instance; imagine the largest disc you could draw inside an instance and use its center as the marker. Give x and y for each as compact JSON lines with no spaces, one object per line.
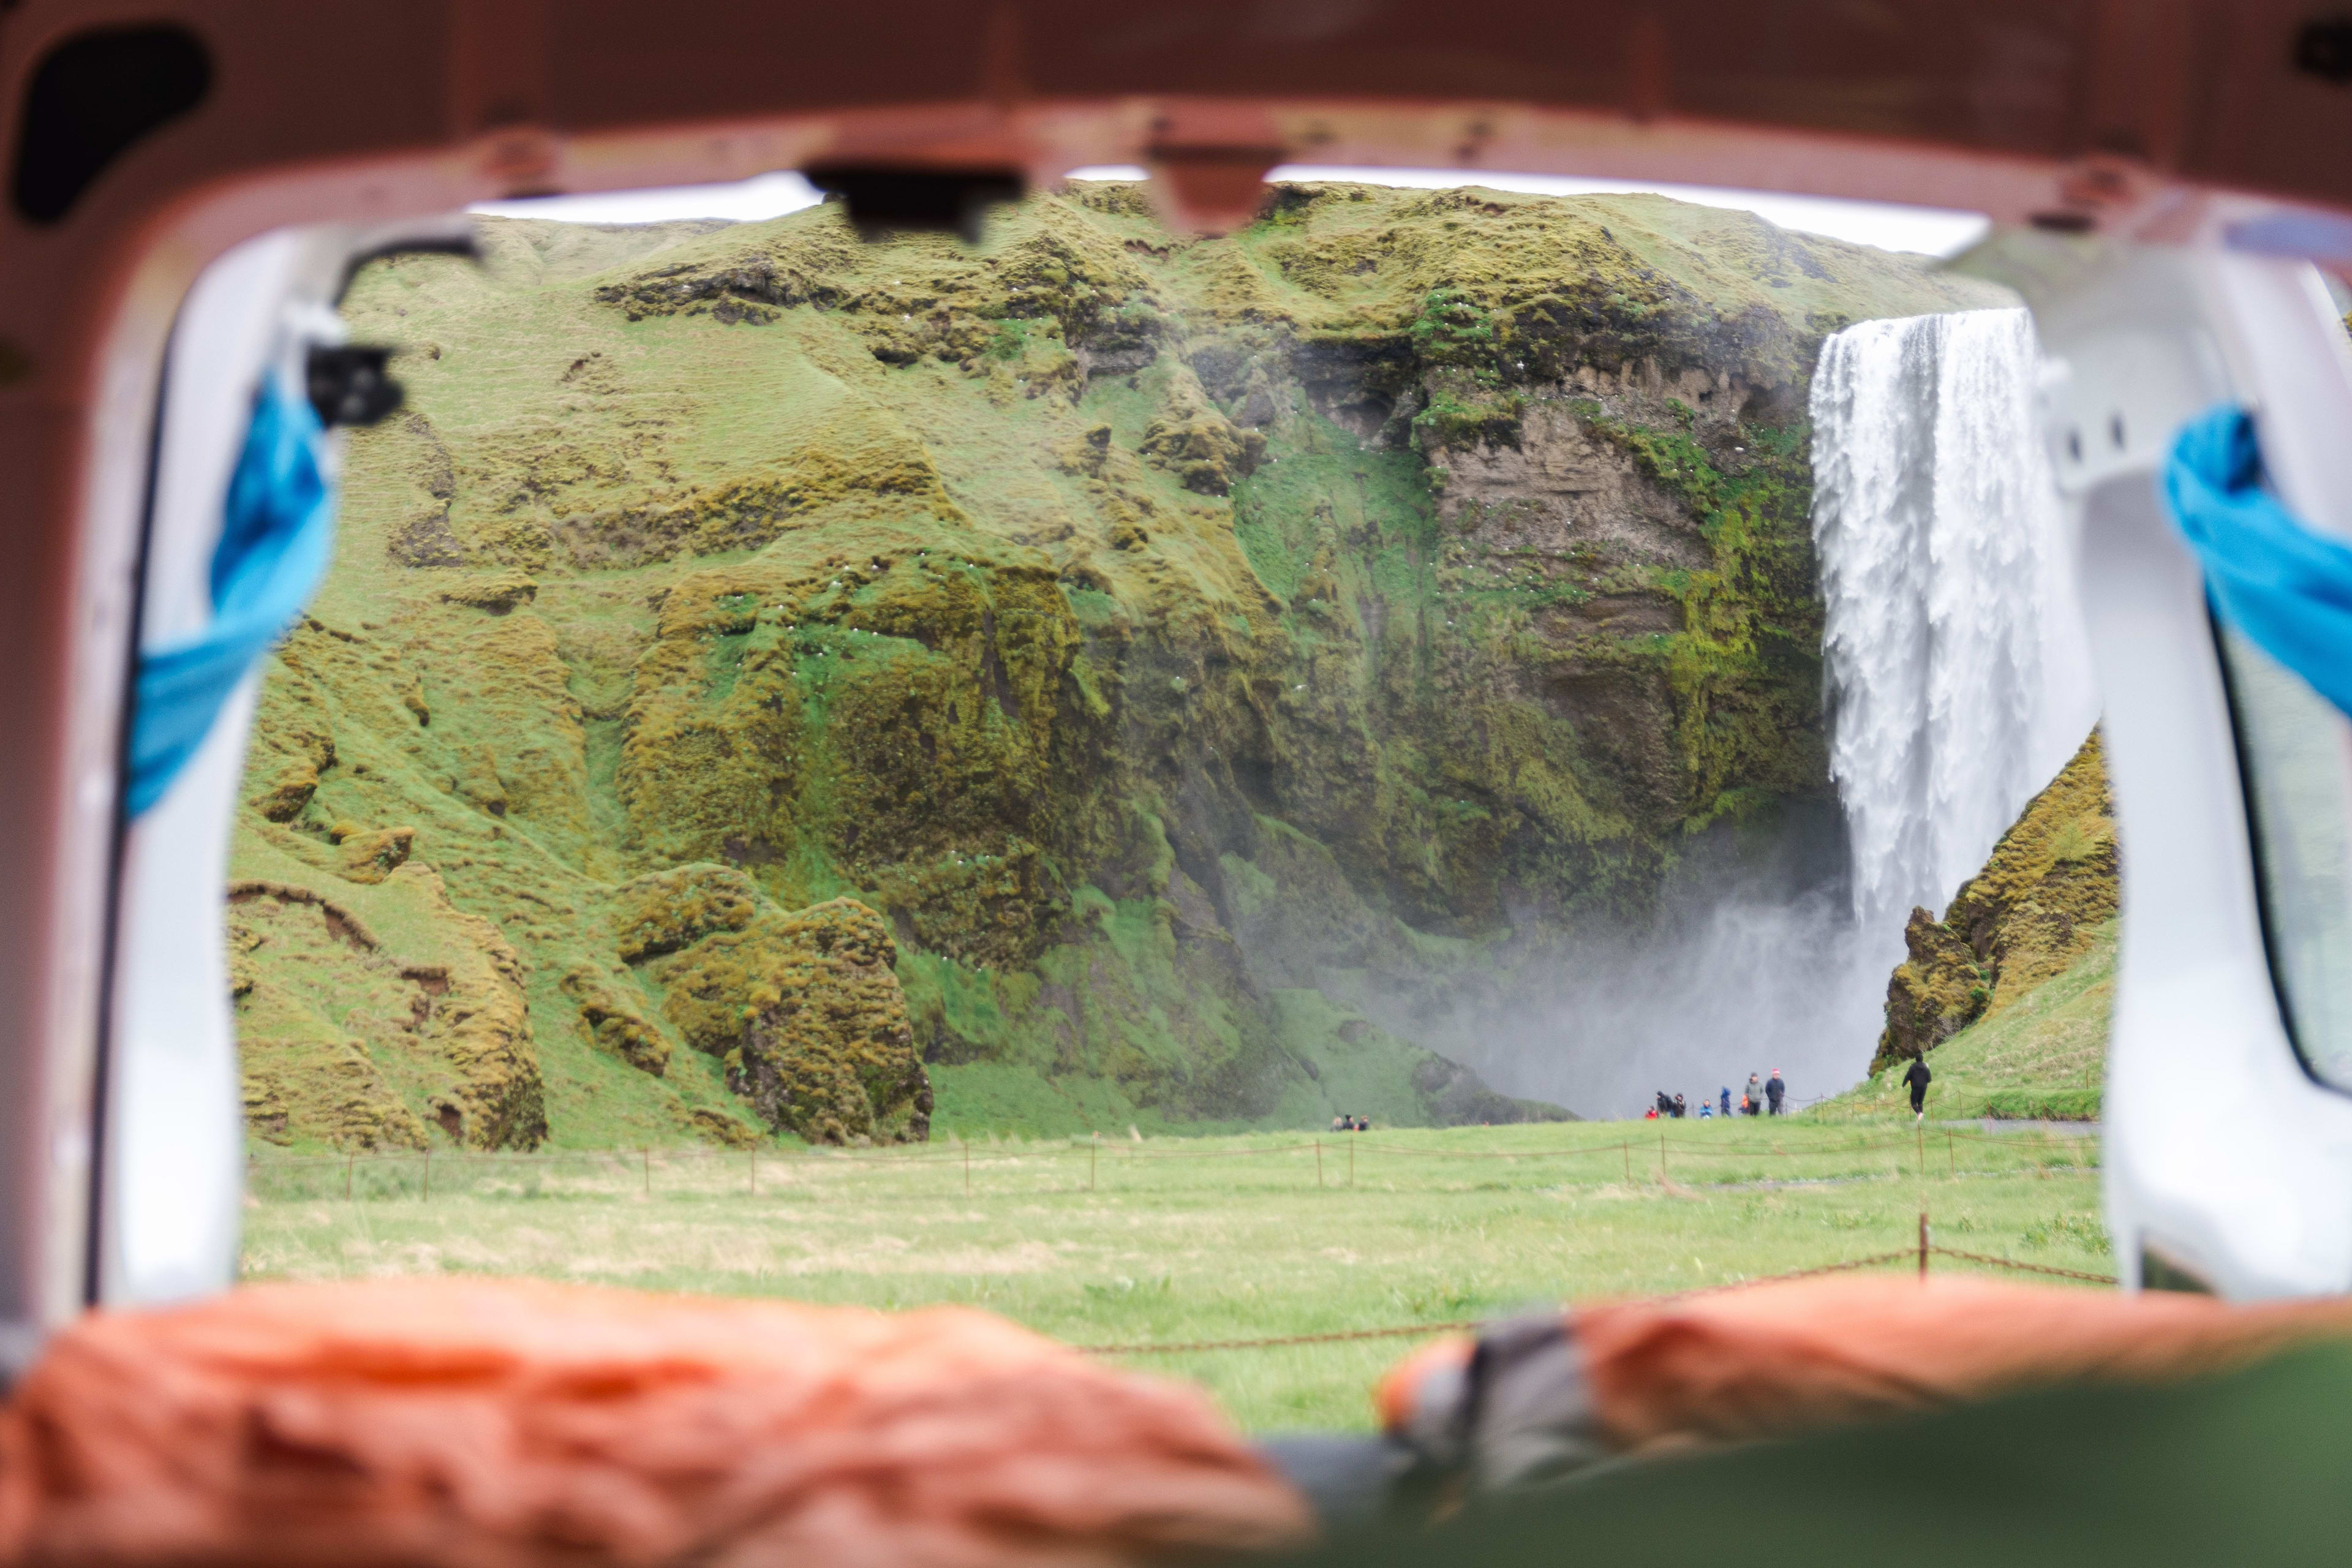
{"x":349,"y":383}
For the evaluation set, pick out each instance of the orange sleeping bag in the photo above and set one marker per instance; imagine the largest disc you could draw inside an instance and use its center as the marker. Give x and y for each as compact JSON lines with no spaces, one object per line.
{"x":1783,"y":1359}
{"x":1772,"y":1360}
{"x":492,"y":1423}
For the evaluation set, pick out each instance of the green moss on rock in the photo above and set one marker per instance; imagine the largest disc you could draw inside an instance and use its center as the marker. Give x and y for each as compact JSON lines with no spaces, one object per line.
{"x":353,"y":1042}
{"x":810,"y":1019}
{"x":372,"y":857}
{"x":665,"y":910}
{"x":1142,"y":630}
{"x":2046,"y":895}
{"x":615,"y":1021}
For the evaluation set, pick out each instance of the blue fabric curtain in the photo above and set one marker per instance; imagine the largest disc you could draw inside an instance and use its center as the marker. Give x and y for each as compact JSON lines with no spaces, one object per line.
{"x":2284,"y":586}
{"x":276,"y":538}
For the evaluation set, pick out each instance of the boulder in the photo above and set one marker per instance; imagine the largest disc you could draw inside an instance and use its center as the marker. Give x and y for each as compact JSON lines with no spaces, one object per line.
{"x":809,"y":1018}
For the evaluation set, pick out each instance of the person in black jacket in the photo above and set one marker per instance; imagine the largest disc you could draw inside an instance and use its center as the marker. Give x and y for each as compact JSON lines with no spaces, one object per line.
{"x":1773,"y":1092}
{"x":1919,"y":1078}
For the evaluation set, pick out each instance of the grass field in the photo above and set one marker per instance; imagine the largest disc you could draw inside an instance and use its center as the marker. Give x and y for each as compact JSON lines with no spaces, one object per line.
{"x":1169,"y":1240}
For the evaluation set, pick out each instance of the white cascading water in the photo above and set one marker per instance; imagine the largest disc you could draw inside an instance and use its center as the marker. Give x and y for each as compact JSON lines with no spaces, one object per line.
{"x":1959,"y":684}
{"x":1959,"y":681}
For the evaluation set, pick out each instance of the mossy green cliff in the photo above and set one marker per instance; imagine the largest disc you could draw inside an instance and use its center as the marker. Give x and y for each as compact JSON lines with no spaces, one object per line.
{"x":1052,"y":684}
{"x":2011,"y":994}
{"x":2045,"y":902}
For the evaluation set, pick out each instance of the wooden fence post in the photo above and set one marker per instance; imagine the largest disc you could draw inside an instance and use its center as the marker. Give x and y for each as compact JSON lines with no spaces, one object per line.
{"x":1625,"y":1147}
{"x":1318,"y":1162}
{"x":1923,"y":1245}
{"x":752,"y":1182}
{"x":428,"y":1174}
{"x":1093,"y":1148}
{"x":1951,"y":1158}
{"x":350,"y":1161}
{"x":1351,"y":1162}
{"x":646,"y":1159}
{"x":967,"y":1167}
{"x":1661,"y":1154}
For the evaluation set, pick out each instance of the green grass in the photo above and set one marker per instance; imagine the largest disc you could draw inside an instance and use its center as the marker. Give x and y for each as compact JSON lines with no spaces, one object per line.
{"x":2042,"y":1057}
{"x":1169,"y":1240}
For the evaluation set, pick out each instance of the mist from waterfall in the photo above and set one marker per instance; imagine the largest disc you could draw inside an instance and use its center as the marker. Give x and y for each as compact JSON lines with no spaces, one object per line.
{"x":1958,"y":679}
{"x":1958,"y":684}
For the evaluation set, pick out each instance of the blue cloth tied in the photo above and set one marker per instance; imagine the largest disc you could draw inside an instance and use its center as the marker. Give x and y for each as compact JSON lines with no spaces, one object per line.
{"x":2287,"y":588}
{"x":277,"y":535}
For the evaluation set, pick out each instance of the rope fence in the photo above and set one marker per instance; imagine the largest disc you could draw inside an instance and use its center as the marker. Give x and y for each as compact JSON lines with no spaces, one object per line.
{"x":1343,"y":1148}
{"x":639,"y":1165}
{"x":2023,"y":1266}
{"x":1927,"y":1250}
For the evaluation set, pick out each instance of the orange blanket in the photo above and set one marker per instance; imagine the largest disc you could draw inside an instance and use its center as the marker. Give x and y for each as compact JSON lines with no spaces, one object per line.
{"x":1777,"y":1360}
{"x":493,"y":1423}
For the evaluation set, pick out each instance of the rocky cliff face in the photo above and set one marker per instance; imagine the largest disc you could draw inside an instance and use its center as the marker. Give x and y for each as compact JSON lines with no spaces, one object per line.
{"x":1127,"y":655}
{"x":2042,"y":901}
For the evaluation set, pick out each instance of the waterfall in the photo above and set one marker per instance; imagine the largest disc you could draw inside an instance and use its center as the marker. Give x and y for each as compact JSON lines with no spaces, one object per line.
{"x":1959,"y":682}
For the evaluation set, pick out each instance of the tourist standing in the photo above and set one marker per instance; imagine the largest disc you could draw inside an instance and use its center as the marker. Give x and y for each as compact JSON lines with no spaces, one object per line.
{"x":1754,"y":1105}
{"x":1774,"y":1090}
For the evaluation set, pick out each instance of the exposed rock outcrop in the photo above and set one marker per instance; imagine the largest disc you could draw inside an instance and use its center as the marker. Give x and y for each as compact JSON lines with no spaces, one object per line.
{"x":810,"y":1021}
{"x":670,"y":909}
{"x":354,"y":1042}
{"x":372,"y":857}
{"x":616,"y":1022}
{"x":2037,"y":907}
